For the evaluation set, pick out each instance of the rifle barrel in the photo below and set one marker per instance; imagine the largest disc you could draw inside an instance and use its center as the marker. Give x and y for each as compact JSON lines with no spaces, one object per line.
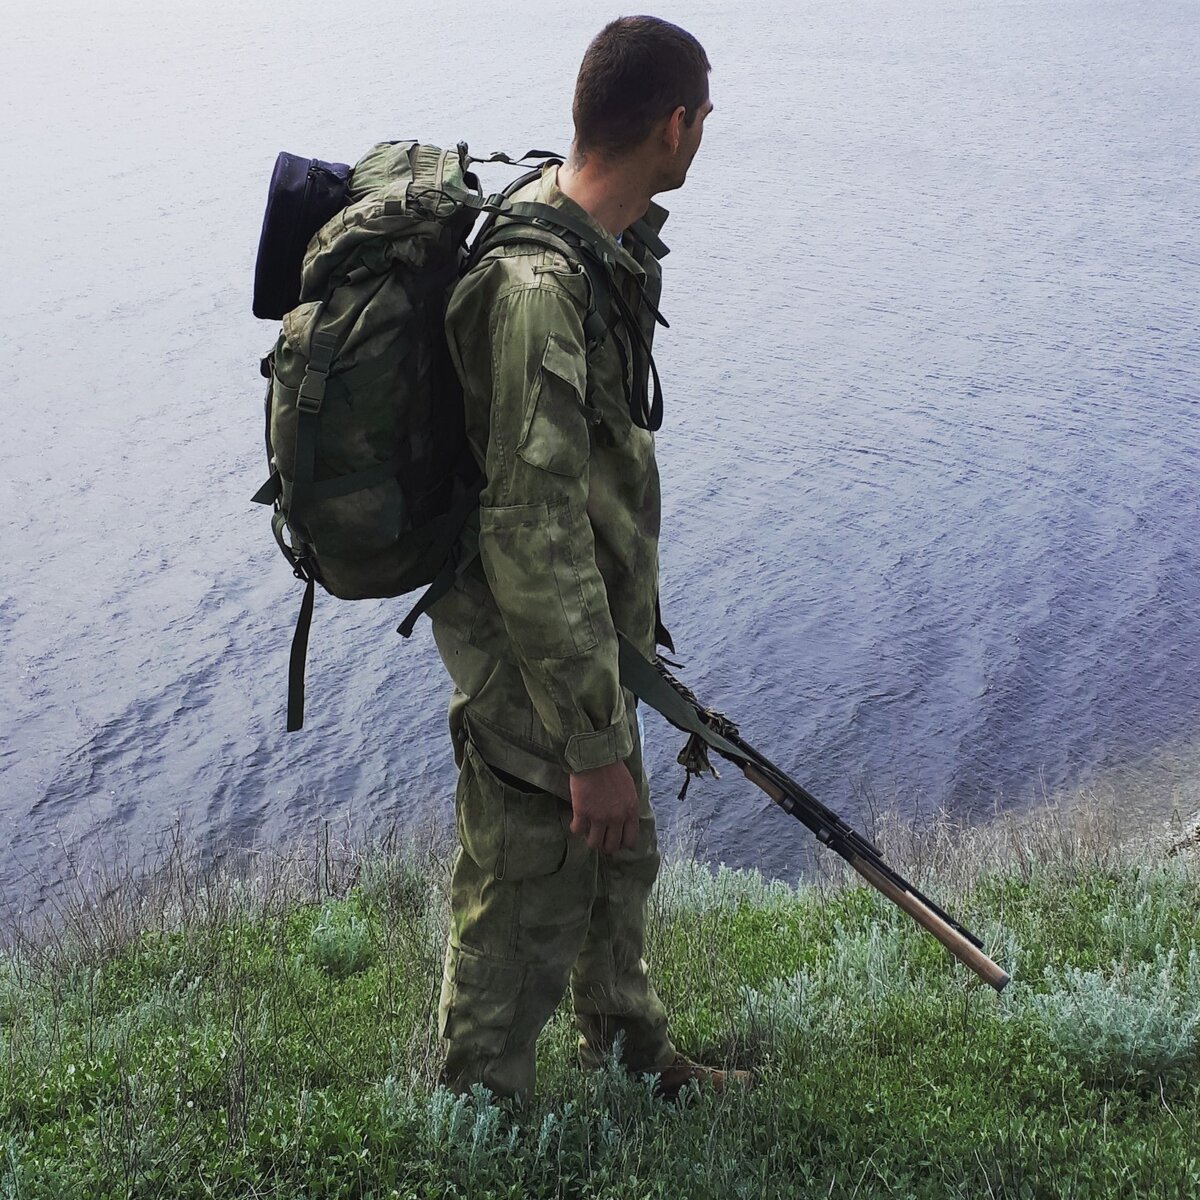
{"x":654,"y":684}
{"x":966,"y":948}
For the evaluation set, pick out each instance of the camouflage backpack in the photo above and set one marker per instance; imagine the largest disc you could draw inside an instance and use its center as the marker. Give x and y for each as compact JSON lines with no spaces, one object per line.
{"x":371,"y":480}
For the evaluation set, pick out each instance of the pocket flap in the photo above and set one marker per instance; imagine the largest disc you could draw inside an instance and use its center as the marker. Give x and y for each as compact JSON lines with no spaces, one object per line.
{"x":570,"y":366}
{"x":555,"y":435}
{"x":298,"y":325}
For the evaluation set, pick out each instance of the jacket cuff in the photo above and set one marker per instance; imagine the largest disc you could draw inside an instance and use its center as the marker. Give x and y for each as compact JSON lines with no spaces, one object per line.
{"x":587,"y":751}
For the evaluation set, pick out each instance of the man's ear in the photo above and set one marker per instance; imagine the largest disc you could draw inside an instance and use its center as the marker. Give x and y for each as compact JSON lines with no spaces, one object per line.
{"x":674,"y":128}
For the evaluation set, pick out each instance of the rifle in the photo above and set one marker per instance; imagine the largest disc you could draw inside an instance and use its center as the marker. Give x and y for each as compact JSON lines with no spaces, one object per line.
{"x":654,"y":684}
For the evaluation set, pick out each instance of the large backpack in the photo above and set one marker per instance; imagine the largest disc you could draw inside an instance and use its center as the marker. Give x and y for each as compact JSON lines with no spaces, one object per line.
{"x":371,"y":479}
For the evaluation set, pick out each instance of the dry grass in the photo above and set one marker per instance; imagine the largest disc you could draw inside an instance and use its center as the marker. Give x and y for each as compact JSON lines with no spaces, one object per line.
{"x":104,"y":908}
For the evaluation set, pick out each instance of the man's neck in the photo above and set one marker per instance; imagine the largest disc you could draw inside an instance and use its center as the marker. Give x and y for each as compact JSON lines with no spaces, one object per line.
{"x":612,"y":194}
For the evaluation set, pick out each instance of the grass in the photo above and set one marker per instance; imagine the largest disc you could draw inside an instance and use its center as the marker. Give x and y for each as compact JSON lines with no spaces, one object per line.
{"x":270,"y":1032}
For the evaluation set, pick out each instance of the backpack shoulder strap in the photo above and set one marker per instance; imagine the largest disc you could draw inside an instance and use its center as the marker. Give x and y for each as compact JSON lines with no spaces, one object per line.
{"x":596,"y":321}
{"x":545,"y":216}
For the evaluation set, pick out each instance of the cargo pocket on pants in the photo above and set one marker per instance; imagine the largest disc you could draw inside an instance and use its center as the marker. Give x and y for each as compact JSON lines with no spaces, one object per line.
{"x":479,"y":1001}
{"x":508,"y":832}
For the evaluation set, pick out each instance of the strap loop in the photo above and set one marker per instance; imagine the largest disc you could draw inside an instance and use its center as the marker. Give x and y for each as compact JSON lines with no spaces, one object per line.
{"x":270,"y":491}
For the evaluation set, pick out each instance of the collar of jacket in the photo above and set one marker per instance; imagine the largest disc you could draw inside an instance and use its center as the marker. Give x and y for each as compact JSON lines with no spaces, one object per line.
{"x":548,"y":192}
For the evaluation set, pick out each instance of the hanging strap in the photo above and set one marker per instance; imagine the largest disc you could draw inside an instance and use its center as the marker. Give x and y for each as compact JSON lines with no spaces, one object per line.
{"x":302,"y":569}
{"x":308,"y":410}
{"x":647,"y":416}
{"x":445,"y":529}
{"x":462,"y":519}
{"x":299,"y":655}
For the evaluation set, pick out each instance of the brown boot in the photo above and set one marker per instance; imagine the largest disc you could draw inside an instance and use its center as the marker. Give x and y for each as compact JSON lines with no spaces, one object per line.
{"x":676,"y":1075}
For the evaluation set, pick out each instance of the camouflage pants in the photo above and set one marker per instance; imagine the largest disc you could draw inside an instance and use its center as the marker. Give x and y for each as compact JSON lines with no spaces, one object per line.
{"x":533,"y":910}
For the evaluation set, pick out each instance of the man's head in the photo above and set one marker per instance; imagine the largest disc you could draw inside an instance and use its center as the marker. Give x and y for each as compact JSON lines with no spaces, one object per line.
{"x":642,"y":91}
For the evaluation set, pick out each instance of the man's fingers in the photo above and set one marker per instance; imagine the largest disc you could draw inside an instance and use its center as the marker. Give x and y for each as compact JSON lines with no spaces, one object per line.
{"x":632,"y":828}
{"x":612,"y":838}
{"x":595,"y":836}
{"x":580,"y":825}
{"x":621,"y":835}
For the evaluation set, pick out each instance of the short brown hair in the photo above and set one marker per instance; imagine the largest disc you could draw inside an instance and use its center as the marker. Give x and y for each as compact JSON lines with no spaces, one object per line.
{"x":636,"y":71}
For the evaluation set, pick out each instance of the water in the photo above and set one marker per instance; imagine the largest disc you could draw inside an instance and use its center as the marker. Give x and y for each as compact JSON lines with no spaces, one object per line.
{"x":930,"y":459}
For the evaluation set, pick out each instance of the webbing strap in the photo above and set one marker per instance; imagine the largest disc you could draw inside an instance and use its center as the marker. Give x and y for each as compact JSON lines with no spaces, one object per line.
{"x":599,"y":313}
{"x":521,"y":231}
{"x":295,"y":703}
{"x":306,"y":464}
{"x":642,"y":678}
{"x":308,"y":411}
{"x":558,"y":218}
{"x":493,"y":206}
{"x":461,"y":519}
{"x":270,"y":491}
{"x":501,"y":157}
{"x":544,"y":216}
{"x":442,"y":583}
{"x":647,"y":416}
{"x":593,"y":253}
{"x":340,"y":485}
{"x":644,"y":234}
{"x":320,"y":359}
{"x":597,"y":318}
{"x":278,"y":524}
{"x":662,"y":636}
{"x":357,"y":481}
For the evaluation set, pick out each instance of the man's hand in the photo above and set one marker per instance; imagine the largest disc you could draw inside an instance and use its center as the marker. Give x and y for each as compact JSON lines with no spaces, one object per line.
{"x":605,"y":806}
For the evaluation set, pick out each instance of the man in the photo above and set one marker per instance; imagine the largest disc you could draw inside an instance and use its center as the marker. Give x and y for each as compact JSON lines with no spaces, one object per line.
{"x":558,"y":847}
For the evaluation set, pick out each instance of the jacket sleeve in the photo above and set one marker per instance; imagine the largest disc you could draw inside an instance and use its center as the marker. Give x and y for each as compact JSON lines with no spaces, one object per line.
{"x":535,"y":537}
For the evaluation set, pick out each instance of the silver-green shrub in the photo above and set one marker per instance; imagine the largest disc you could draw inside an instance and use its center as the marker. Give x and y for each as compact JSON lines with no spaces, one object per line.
{"x":691,"y":889}
{"x":340,"y":943}
{"x":1128,"y":1021}
{"x":864,"y":968}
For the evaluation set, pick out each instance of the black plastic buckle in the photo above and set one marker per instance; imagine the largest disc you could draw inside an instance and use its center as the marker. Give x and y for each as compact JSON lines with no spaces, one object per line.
{"x":310,"y":401}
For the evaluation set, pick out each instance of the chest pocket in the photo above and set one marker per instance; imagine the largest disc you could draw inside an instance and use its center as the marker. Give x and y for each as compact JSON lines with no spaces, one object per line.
{"x":555,"y":433}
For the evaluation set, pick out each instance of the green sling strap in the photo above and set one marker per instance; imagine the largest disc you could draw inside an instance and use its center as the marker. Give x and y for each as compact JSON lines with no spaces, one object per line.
{"x":641,"y":677}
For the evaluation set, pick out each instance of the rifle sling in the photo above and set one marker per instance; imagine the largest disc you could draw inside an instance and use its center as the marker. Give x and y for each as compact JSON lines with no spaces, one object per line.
{"x":641,"y":677}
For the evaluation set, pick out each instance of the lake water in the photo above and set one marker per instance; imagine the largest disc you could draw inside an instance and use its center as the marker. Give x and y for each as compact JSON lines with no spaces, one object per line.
{"x":930,"y":458}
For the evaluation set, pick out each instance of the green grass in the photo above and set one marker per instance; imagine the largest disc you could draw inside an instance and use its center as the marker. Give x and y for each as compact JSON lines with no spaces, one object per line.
{"x":197,"y":1036}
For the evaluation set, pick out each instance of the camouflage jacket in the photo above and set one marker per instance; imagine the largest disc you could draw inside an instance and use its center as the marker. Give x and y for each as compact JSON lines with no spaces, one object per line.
{"x":569,"y":516}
